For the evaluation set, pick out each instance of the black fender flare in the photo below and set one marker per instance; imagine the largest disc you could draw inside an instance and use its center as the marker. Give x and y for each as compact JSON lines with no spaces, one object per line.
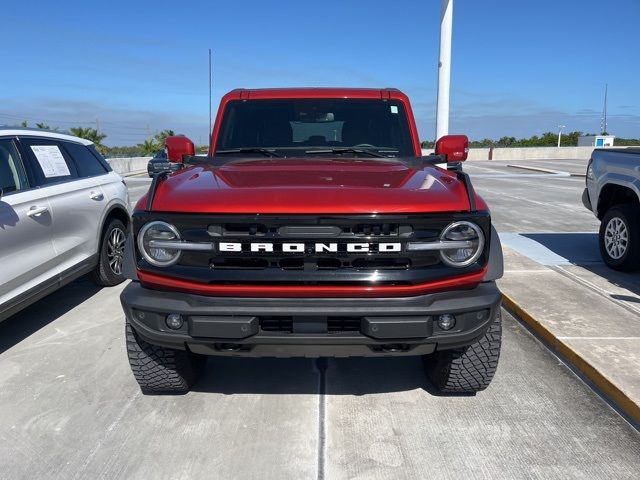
{"x":496,"y":260}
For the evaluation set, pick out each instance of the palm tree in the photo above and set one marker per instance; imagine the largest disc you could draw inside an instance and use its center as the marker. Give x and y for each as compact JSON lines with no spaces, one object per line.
{"x":148,"y":147}
{"x":162,"y":136}
{"x":45,"y":126}
{"x":90,"y":134}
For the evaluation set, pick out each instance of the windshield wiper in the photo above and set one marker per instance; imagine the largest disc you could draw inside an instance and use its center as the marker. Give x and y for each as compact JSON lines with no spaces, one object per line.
{"x":263,"y":151}
{"x":345,"y":150}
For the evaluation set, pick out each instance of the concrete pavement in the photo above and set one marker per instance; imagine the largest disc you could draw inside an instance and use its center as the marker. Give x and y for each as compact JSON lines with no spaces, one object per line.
{"x":600,"y":339}
{"x":70,"y":408}
{"x":556,"y":281}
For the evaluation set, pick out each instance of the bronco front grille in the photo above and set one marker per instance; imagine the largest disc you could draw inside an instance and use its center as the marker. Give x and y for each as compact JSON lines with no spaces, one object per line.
{"x":312,"y":266}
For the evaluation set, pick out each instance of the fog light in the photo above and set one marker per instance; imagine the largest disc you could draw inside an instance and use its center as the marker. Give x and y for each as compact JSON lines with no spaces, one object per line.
{"x":174,"y":321}
{"x":446,"y":321}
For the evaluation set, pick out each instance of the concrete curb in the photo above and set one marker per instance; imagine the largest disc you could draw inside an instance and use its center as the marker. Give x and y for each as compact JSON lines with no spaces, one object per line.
{"x":546,"y":170}
{"x":604,"y":385}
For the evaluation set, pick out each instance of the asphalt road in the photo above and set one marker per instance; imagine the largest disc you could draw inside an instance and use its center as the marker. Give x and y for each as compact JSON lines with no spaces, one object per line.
{"x":70,"y":408}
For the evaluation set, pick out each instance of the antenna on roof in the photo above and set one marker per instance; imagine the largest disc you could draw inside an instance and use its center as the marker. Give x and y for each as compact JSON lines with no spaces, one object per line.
{"x":603,"y":122}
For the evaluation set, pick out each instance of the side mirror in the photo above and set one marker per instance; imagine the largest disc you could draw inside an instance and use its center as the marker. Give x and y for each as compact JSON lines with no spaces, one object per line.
{"x":177,"y":147}
{"x":455,"y":148}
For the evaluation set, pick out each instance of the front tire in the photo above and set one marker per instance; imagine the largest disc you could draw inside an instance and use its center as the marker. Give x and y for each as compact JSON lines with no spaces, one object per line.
{"x":108,"y":272}
{"x":466,"y":370}
{"x":619,"y":238}
{"x":162,"y":370}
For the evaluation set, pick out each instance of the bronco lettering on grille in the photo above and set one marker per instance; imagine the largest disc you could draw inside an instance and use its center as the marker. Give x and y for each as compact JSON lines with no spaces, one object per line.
{"x":267,"y":247}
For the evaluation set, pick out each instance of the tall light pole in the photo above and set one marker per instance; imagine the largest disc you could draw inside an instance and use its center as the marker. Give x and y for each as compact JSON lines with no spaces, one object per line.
{"x":209,"y":95}
{"x":444,"y":69}
{"x":560,"y":127}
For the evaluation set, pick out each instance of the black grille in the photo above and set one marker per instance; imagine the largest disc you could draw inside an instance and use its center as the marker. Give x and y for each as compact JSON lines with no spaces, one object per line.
{"x":276,"y":324}
{"x":343,"y":324}
{"x":284,"y":324}
{"x":311,"y":267}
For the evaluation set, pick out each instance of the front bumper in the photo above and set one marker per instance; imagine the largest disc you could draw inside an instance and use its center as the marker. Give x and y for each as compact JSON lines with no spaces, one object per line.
{"x":313,"y":327}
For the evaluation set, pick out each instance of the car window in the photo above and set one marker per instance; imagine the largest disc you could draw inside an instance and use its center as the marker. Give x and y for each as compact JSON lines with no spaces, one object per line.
{"x":101,"y":159}
{"x":51,"y":162}
{"x":12,"y":174}
{"x":86,"y":163}
{"x":287,"y":125}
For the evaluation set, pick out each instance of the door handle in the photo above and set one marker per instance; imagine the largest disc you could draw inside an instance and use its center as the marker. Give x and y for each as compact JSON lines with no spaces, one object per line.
{"x":97,"y":196}
{"x":36,"y":211}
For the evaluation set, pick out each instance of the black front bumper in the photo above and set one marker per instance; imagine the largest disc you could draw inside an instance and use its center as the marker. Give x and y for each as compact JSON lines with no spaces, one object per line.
{"x":313,"y":327}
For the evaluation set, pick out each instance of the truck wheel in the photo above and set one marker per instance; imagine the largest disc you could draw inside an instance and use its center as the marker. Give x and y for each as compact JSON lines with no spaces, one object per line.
{"x":108,"y":272}
{"x":466,"y":370}
{"x":162,"y":370}
{"x":620,"y":238}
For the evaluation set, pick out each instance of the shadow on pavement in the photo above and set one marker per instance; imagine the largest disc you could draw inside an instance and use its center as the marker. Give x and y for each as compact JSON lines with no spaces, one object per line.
{"x":578,"y":248}
{"x":583,"y":250}
{"x":28,"y":321}
{"x":344,"y":376}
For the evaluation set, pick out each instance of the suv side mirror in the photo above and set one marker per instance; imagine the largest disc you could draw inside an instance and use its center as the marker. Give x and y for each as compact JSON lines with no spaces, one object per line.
{"x":455,"y":148}
{"x":177,"y":147}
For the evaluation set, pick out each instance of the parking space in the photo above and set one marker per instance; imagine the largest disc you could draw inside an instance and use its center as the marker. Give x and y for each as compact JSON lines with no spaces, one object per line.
{"x":70,"y":408}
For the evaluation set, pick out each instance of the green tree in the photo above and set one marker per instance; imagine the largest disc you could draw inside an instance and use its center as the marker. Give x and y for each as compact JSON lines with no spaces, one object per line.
{"x":160,"y":137}
{"x":506,"y":142}
{"x":92,"y":135}
{"x":45,"y":126}
{"x":24,"y":124}
{"x":148,"y":147}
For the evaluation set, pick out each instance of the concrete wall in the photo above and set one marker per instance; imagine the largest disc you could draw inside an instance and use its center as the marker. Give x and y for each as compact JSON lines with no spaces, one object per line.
{"x":528,"y":153}
{"x":128,"y":165}
{"x":138,"y":164}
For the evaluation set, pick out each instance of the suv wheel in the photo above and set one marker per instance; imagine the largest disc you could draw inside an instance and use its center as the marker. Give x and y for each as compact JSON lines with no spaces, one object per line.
{"x":162,"y":370}
{"x":620,"y":238}
{"x":108,"y":272}
{"x":466,"y":370}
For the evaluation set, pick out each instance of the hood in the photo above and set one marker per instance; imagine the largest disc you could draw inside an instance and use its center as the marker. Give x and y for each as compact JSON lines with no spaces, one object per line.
{"x":309,"y":186}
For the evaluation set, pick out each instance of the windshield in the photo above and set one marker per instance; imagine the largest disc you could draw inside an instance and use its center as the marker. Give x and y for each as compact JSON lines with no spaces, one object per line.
{"x":309,"y":127}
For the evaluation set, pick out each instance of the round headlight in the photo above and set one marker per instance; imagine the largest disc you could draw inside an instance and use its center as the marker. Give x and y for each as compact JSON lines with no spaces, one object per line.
{"x":158,"y":232}
{"x":467,"y":232}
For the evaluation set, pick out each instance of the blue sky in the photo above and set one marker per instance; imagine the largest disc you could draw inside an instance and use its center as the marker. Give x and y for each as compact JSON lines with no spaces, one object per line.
{"x":519,"y":67}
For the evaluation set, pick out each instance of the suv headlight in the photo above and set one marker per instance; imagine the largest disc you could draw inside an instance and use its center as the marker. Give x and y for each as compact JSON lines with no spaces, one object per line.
{"x":158,"y":233}
{"x":467,"y":232}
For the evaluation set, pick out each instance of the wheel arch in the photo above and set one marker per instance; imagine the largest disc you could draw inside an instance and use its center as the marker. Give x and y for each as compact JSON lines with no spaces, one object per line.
{"x":115,"y":211}
{"x":613,"y":194}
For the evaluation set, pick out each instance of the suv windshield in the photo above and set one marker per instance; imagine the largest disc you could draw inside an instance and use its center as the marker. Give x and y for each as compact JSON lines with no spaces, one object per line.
{"x":289,"y":127}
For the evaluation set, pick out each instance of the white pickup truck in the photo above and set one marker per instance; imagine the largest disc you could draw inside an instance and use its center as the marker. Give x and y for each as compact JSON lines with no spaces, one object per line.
{"x":613,"y":195}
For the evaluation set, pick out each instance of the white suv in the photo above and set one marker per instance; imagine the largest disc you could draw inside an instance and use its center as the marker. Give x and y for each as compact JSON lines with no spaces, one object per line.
{"x":63,"y":213}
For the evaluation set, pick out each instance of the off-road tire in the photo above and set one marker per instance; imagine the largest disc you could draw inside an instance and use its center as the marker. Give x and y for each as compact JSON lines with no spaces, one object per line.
{"x":103,"y":274}
{"x":162,"y":370}
{"x":630,"y":217}
{"x":466,"y":370}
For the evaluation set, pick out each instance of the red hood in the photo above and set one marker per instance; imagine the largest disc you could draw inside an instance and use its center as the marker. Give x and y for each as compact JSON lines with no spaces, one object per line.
{"x":311,"y":186}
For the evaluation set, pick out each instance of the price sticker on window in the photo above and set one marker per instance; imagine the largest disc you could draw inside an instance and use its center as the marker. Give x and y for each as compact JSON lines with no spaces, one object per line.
{"x":51,"y":160}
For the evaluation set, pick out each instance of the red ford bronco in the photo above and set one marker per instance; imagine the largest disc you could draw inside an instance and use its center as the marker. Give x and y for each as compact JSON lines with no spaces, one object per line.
{"x":315,"y":227}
